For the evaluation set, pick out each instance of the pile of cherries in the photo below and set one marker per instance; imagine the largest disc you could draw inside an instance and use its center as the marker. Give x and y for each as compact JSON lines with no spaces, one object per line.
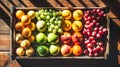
{"x":95,"y":32}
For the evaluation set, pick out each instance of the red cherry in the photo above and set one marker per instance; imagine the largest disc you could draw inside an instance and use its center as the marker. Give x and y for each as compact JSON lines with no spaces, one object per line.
{"x":98,"y":10}
{"x":86,"y":15}
{"x":93,"y":41}
{"x":97,"y":24}
{"x":86,"y":52}
{"x":96,"y":29}
{"x":94,"y":33}
{"x":100,"y":43}
{"x":96,"y":54}
{"x":91,"y":38}
{"x":94,"y":10}
{"x":98,"y":35}
{"x":87,"y":42}
{"x":87,"y":22}
{"x":89,"y":18}
{"x":101,"y":27}
{"x":89,"y":45}
{"x":90,"y":50}
{"x":100,"y":32}
{"x":104,"y":30}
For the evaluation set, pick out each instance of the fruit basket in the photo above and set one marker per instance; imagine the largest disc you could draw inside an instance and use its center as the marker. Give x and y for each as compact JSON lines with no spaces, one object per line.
{"x":55,"y":35}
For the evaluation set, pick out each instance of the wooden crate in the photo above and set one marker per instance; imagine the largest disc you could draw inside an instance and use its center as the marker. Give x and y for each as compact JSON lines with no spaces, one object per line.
{"x":13,"y":32}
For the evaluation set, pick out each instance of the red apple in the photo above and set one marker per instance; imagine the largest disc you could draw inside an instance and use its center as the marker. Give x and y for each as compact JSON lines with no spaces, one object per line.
{"x":66,"y":37}
{"x":77,"y":38}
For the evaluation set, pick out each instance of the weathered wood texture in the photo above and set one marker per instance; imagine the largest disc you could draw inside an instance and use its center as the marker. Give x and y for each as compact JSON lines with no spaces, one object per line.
{"x":6,"y":5}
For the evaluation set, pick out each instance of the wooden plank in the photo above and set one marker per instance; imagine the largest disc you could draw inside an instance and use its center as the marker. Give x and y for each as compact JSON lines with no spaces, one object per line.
{"x":4,"y":59}
{"x":4,"y":36}
{"x":4,"y":26}
{"x":5,"y":42}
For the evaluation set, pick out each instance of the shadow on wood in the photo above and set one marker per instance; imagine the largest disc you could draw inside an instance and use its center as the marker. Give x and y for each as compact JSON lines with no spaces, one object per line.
{"x":40,"y":3}
{"x":114,"y":6}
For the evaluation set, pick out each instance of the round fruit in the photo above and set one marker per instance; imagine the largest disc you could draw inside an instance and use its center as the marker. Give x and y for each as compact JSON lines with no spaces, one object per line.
{"x":25,"y":19}
{"x":31,"y":26}
{"x":41,"y":26}
{"x":25,"y":44}
{"x":66,"y":50}
{"x":42,"y":50}
{"x":66,"y":25}
{"x":77,"y":26}
{"x":19,"y":14}
{"x":31,"y":14}
{"x":19,"y":38}
{"x":30,"y":51}
{"x":41,"y":38}
{"x":66,"y":14}
{"x":77,"y":14}
{"x":53,"y":38}
{"x":77,"y":38}
{"x":31,"y":38}
{"x":26,"y":32}
{"x":19,"y":26}
{"x":20,"y":51}
{"x":77,"y":50}
{"x":54,"y":50}
{"x":66,"y":37}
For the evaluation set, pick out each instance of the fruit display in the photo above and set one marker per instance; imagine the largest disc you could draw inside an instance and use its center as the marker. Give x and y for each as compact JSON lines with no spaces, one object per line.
{"x":24,"y":37}
{"x":94,"y":32}
{"x":49,"y":32}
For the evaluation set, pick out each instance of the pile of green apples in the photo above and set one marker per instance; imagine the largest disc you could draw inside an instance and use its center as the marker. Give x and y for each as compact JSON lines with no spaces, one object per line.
{"x":48,"y":29}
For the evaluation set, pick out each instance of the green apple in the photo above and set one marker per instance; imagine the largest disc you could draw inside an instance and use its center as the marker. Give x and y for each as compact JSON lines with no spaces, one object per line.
{"x":54,"y":50}
{"x":52,"y":38}
{"x":41,"y":26}
{"x":42,"y":50}
{"x":41,"y":38}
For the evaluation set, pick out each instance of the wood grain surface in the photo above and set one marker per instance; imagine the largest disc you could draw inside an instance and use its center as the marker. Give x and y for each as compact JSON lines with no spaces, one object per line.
{"x":5,"y":15}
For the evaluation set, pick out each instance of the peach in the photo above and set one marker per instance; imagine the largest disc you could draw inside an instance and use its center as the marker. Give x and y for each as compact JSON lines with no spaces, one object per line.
{"x":19,"y":26}
{"x":30,"y":51}
{"x":19,"y":38}
{"x":25,"y":44}
{"x":66,"y":50}
{"x":25,"y":19}
{"x":19,"y":14}
{"x":26,"y":32}
{"x":31,"y":14}
{"x":31,"y":38}
{"x":31,"y":26}
{"x":20,"y":51}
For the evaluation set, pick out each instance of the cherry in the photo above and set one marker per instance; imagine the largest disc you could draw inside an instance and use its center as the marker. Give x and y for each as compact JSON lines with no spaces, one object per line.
{"x":93,"y":41}
{"x":98,"y":35}
{"x":94,"y":33}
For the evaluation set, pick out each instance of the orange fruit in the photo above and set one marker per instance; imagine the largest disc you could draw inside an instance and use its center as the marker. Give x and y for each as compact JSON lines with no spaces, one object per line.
{"x":66,"y":25}
{"x":25,"y":44}
{"x":77,"y":14}
{"x":77,"y":50}
{"x":31,"y":26}
{"x":66,"y":14}
{"x":25,"y":19}
{"x":77,"y":26}
{"x":19,"y":14}
{"x":19,"y":26}
{"x":26,"y":32}
{"x":31,"y":38}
